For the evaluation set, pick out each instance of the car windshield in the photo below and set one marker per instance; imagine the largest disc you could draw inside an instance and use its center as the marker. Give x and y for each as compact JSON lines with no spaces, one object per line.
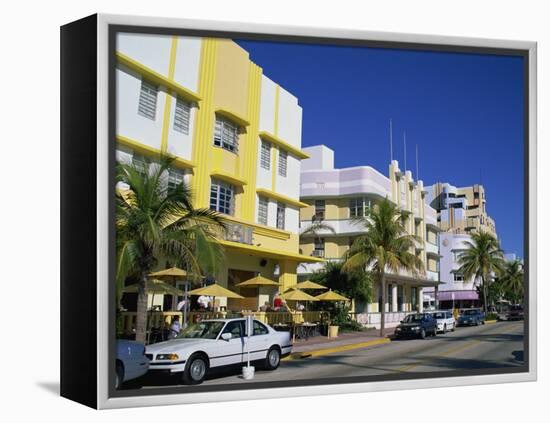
{"x":412,"y":318}
{"x":439,"y":315}
{"x":202,"y":330}
{"x":470,"y":312}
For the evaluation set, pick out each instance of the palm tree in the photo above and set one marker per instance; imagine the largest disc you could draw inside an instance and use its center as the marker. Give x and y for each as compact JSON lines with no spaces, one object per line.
{"x":482,"y":259}
{"x":315,"y":227}
{"x":512,"y":280}
{"x":354,"y":284}
{"x":155,"y":221}
{"x":385,"y":247}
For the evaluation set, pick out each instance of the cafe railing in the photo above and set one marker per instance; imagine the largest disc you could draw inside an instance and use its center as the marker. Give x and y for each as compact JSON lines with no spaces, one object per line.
{"x":163,"y":319}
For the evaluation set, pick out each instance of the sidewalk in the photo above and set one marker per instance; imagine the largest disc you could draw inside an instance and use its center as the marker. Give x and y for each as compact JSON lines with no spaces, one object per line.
{"x":321,"y":345}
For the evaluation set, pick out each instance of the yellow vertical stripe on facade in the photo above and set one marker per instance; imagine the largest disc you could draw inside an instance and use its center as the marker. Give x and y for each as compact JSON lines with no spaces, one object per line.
{"x":251,"y":157}
{"x":168,"y":101}
{"x":204,"y":123}
{"x":274,"y":149}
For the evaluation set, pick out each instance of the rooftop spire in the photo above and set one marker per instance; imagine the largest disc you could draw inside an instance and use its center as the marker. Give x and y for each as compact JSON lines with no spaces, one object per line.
{"x":391,"y":140}
{"x":405,"y":149}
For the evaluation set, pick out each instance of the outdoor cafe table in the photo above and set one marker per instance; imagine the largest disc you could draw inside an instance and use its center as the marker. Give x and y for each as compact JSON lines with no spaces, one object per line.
{"x":305,"y":330}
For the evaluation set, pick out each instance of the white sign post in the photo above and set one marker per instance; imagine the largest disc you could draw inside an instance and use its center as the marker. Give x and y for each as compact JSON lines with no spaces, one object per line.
{"x":248,"y":371}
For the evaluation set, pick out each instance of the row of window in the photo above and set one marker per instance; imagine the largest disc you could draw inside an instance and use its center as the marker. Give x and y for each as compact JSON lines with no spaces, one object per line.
{"x":175,"y":176}
{"x":265,"y":158}
{"x":147,"y":107}
{"x":222,"y":195}
{"x":357,"y":207}
{"x":222,"y":200}
{"x":263,"y":213}
{"x":226,"y":133}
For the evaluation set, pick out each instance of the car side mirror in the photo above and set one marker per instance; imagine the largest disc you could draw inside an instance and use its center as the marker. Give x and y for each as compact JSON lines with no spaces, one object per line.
{"x":226,"y":336}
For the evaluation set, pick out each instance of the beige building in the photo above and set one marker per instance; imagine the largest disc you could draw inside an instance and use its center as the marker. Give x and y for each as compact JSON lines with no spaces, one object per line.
{"x":461,"y":210}
{"x":335,"y":196}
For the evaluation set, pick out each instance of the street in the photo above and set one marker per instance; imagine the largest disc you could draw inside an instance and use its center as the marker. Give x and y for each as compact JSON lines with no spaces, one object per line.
{"x":498,"y":345}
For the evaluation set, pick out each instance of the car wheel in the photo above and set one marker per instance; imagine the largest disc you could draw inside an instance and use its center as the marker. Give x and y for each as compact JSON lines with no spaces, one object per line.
{"x":195,"y":370}
{"x":119,"y":375}
{"x":445,"y":328}
{"x":434,"y":334}
{"x":454,"y":327}
{"x":273,"y":358}
{"x":422,"y":333}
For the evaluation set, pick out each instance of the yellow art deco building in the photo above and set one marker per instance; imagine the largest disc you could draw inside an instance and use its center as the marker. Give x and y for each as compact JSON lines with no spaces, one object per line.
{"x":237,"y":138}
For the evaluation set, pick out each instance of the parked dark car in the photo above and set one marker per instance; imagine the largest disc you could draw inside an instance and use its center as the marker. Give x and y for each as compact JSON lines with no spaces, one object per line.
{"x":131,"y":362}
{"x":515,"y":312}
{"x":416,"y":325}
{"x":471,"y":317}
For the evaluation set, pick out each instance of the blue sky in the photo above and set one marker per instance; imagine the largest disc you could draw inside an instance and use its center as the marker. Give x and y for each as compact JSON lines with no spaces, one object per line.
{"x":465,"y":112}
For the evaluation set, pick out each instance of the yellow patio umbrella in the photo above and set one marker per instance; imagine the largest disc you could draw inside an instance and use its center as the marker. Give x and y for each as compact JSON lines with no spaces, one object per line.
{"x":297,"y":295}
{"x":331,"y":296}
{"x":308,"y":285}
{"x":256,"y":281}
{"x":214,"y":291}
{"x":174,"y":274}
{"x":154,"y":286}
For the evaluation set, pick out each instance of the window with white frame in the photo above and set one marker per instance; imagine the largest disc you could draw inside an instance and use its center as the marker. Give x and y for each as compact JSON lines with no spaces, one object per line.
{"x":320,"y":207}
{"x":458,"y":277}
{"x":182,"y":116}
{"x":265,"y":155}
{"x":319,"y":247}
{"x":281,"y":208}
{"x":175,"y":178}
{"x":226,"y":135}
{"x":283,"y":158}
{"x":358,"y":206}
{"x":147,"y":106}
{"x":263,"y":204}
{"x":222,"y":197}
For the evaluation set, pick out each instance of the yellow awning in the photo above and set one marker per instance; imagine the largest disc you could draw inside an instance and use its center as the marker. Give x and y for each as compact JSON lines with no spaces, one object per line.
{"x":254,"y":250}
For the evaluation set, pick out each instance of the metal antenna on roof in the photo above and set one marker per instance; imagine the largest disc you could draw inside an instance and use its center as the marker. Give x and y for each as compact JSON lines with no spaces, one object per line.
{"x":405,"y":149}
{"x":417,"y":175}
{"x":391,"y":140}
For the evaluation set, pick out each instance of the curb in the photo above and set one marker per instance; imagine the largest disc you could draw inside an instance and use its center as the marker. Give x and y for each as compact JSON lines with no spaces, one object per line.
{"x":325,"y":351}
{"x":490,"y":322}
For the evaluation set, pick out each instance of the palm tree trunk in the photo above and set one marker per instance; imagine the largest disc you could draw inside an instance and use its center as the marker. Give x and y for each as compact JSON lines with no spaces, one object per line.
{"x":383,"y":310}
{"x":141,"y":316}
{"x":484,"y":286}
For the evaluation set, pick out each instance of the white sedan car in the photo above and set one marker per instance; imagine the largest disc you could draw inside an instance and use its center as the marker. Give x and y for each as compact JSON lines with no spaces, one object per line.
{"x":216,"y":343}
{"x":445,"y":320}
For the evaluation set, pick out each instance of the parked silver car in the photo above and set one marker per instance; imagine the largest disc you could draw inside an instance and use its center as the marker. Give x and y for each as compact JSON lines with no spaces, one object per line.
{"x":445,"y":320}
{"x":131,"y":362}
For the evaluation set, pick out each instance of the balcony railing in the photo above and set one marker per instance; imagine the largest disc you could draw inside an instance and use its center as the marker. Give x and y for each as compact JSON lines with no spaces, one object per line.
{"x":163,"y":319}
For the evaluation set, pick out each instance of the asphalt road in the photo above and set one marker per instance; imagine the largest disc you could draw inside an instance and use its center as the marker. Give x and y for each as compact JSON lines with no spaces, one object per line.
{"x":498,"y":345}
